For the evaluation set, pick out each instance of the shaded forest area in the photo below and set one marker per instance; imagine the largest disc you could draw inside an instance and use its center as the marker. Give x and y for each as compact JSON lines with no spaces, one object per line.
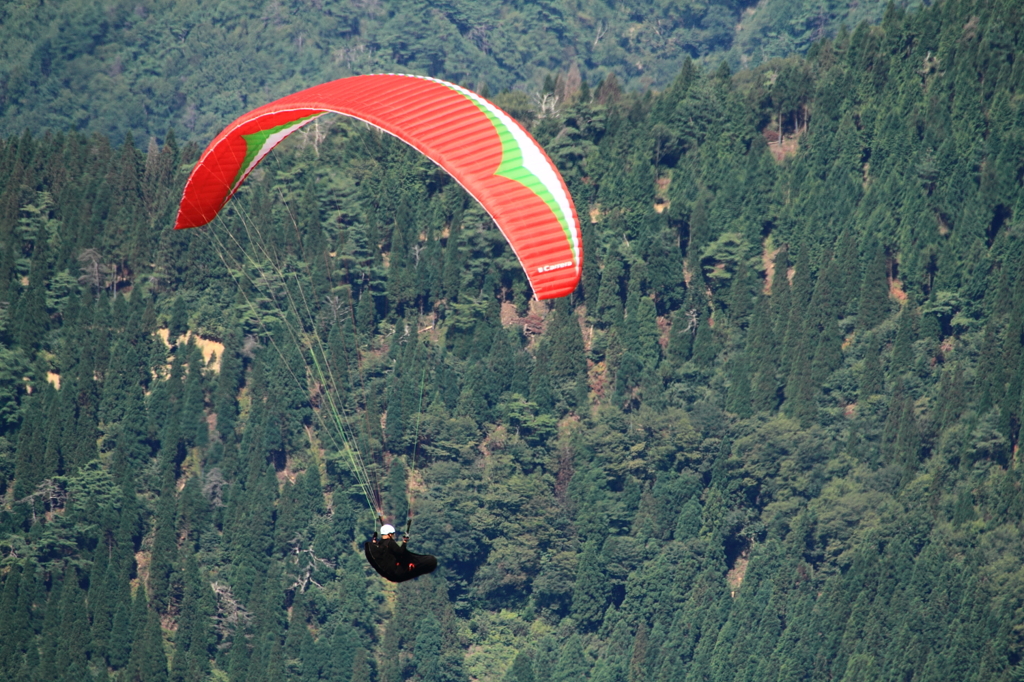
{"x":142,"y":67}
{"x":773,"y":436}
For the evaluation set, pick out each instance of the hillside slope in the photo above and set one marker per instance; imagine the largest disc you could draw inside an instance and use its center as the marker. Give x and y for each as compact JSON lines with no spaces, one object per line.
{"x":146,"y":67}
{"x":774,"y":435}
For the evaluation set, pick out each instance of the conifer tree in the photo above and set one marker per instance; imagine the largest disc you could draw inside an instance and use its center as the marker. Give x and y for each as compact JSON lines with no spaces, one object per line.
{"x":238,"y":657}
{"x":643,"y":321}
{"x":130,"y":448}
{"x":665,"y":271}
{"x":53,"y":460}
{"x":762,"y":348}
{"x":7,"y":264}
{"x":705,"y":345}
{"x":29,"y":470}
{"x":194,"y":638}
{"x":849,"y":269}
{"x":500,"y":364}
{"x":800,"y":390}
{"x":572,"y":662}
{"x":29,"y":319}
{"x":427,"y":649}
{"x":287,"y":408}
{"x":398,"y":502}
{"x":229,"y":381}
{"x":591,"y":591}
{"x":522,"y":668}
{"x":738,"y":396}
{"x":148,"y":661}
{"x":591,"y":275}
{"x":390,"y":669}
{"x":781,"y":303}
{"x":640,"y":655}
{"x":366,"y":315}
{"x":361,"y":670}
{"x":871,"y":378}
{"x":121,"y":634}
{"x":541,"y":391}
{"x":828,"y":354}
{"x":404,"y":237}
{"x":567,"y":361}
{"x":545,"y":659}
{"x":680,"y":338}
{"x":607,"y":308}
{"x":700,"y":229}
{"x":634,"y":291}
{"x":307,"y":656}
{"x":614,"y":664}
{"x":689,"y":522}
{"x":740,"y":295}
{"x":800,"y":338}
{"x":100,"y":602}
{"x":70,"y":659}
{"x":29,"y":615}
{"x":473,"y":398}
{"x":49,"y":639}
{"x":178,"y":324}
{"x":629,"y":375}
{"x":164,"y":543}
{"x":990,"y":382}
{"x":8,"y":604}
{"x":903,"y":351}
{"x":873,"y":306}
{"x":194,"y":429}
{"x":522,"y":369}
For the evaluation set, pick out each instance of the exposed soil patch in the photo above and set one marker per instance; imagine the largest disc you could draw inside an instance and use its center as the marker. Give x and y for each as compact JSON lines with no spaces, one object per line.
{"x":768,"y":262}
{"x":597,"y":378}
{"x":661,"y":202}
{"x":286,"y":474}
{"x":206,"y":346}
{"x":738,"y":571}
{"x":428,"y":328}
{"x":896,"y":291}
{"x":533,"y":322}
{"x":665,"y":327}
{"x":782,"y":150}
{"x":944,"y":229}
{"x":586,"y":330}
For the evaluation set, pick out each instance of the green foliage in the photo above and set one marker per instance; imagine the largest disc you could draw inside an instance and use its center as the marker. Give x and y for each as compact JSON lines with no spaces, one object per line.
{"x":701,"y":475}
{"x":195,"y":68}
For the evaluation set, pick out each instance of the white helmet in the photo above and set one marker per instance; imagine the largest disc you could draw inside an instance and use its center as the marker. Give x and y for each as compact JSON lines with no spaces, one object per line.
{"x":387,"y":529}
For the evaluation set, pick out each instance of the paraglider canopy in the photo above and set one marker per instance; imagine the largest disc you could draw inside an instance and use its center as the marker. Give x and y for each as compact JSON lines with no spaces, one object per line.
{"x":491,"y":155}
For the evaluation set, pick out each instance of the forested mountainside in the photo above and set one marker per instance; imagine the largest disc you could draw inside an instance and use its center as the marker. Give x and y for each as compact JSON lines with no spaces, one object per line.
{"x":145,"y":66}
{"x":773,"y":436}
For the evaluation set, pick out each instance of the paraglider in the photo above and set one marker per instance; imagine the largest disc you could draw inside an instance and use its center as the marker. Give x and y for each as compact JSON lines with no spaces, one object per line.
{"x":484,"y":149}
{"x":392,"y":560}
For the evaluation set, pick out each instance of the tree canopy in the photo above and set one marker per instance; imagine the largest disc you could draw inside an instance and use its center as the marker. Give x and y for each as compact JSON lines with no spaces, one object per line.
{"x":774,"y":435}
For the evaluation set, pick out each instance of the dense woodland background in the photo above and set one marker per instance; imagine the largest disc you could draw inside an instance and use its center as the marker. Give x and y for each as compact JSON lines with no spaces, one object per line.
{"x":774,"y":436}
{"x":145,"y":66}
